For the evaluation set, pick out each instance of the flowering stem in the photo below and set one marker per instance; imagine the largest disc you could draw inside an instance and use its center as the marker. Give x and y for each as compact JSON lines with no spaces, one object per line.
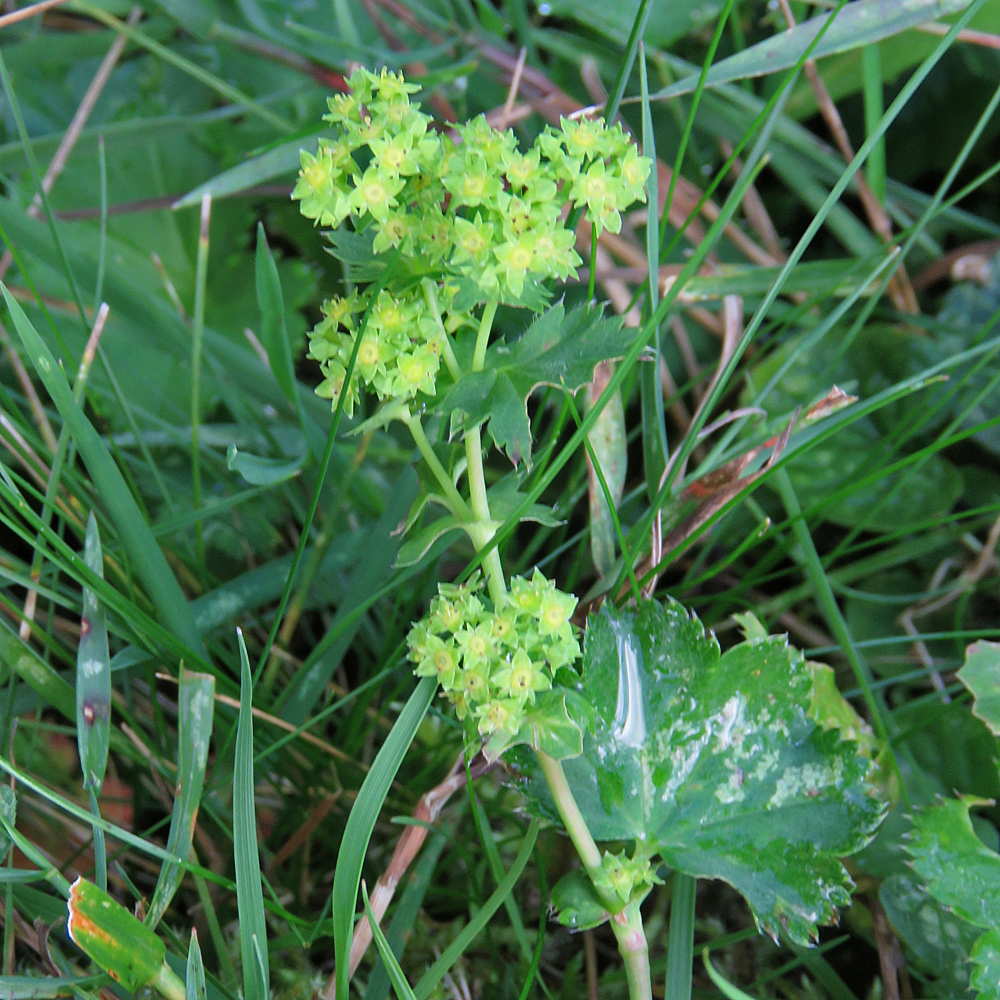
{"x":458,"y":505}
{"x":477,"y":476}
{"x":627,"y":923}
{"x":483,"y":337}
{"x":430,"y":295}
{"x":481,"y":513}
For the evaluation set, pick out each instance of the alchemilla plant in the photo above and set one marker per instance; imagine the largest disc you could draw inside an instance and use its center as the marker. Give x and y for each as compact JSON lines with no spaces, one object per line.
{"x":735,"y":765}
{"x":654,"y":749}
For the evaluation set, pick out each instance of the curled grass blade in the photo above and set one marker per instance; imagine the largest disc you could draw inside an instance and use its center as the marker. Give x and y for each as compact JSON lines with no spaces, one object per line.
{"x":196,"y":704}
{"x":93,"y":672}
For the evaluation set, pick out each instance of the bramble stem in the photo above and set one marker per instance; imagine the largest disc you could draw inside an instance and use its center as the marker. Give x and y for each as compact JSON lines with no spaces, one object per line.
{"x":459,"y":507}
{"x":627,"y":923}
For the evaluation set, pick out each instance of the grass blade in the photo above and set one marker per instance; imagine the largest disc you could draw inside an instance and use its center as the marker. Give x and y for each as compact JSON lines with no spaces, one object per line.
{"x":93,"y":673}
{"x":194,"y":984}
{"x":655,"y":451}
{"x":401,"y":986}
{"x":137,"y":539}
{"x":436,"y":972}
{"x":196,"y":703}
{"x":274,"y":335}
{"x":361,"y":823}
{"x":249,"y":894}
{"x":680,"y":942}
{"x":857,"y":26}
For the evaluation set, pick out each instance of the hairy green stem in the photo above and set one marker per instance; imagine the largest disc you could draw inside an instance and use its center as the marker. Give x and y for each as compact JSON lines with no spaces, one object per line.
{"x":481,"y":532}
{"x":430,"y":296}
{"x":459,"y":507}
{"x":483,"y":337}
{"x":484,"y":527}
{"x":626,"y":924}
{"x":634,"y":951}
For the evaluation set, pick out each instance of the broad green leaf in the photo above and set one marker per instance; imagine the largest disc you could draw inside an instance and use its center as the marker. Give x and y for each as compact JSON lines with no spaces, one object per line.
{"x":712,"y":760}
{"x":981,"y":675}
{"x":985,"y":958}
{"x":559,"y":349}
{"x":196,"y":701}
{"x":958,"y":869}
{"x":117,"y":941}
{"x":260,"y":471}
{"x":963,"y":875}
{"x":553,"y":724}
{"x":939,"y":940}
{"x":36,"y":673}
{"x":857,"y":25}
{"x":93,"y":673}
{"x":249,"y":893}
{"x":274,"y":334}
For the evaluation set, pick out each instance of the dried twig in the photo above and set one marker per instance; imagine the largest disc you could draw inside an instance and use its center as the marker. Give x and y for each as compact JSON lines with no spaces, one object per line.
{"x":30,"y":11}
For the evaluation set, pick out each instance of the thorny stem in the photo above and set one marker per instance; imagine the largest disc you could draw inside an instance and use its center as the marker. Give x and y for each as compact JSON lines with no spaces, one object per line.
{"x":627,"y":923}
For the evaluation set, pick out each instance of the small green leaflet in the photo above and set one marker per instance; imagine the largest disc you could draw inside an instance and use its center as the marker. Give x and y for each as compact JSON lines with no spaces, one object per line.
{"x":712,"y":761}
{"x":981,"y":675}
{"x":559,"y":349}
{"x":961,"y":873}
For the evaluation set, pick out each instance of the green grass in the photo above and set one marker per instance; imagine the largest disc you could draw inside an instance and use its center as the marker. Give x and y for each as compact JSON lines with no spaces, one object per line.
{"x":865,"y":514}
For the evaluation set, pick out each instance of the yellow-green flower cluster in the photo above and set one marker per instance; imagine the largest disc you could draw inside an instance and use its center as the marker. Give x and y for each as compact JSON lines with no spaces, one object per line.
{"x":491,"y":662}
{"x":400,"y":352}
{"x":474,"y":207}
{"x":620,"y":876}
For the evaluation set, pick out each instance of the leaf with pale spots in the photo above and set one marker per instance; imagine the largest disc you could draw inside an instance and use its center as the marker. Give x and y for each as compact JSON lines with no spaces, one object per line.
{"x":559,"y":349}
{"x":93,"y":673}
{"x":713,"y":761}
